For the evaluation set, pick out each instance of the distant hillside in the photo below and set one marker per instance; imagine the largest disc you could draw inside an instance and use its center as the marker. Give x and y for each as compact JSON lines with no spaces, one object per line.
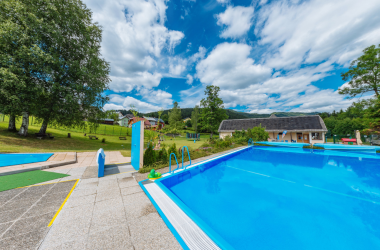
{"x":232,"y":114}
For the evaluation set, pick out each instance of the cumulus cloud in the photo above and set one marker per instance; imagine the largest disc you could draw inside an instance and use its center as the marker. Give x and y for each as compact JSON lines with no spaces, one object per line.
{"x":229,"y":67}
{"x":160,"y":97}
{"x":313,"y":31}
{"x":141,"y":106}
{"x":177,"y":65}
{"x":237,"y":19}
{"x":189,"y":79}
{"x":134,"y":35}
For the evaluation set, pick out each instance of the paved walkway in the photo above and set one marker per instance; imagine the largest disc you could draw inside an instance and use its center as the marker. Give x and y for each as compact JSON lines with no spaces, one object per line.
{"x":109,"y":213}
{"x":26,"y":212}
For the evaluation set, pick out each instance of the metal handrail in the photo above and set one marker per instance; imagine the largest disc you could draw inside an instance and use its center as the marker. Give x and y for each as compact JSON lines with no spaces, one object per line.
{"x":170,"y":162}
{"x":250,"y":141}
{"x":188,"y":153}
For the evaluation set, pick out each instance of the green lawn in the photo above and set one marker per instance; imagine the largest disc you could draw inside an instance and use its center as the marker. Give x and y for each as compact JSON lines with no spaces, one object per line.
{"x":13,"y":143}
{"x":27,"y":178}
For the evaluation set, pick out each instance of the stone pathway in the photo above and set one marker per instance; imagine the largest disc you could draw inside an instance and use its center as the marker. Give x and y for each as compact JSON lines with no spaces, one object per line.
{"x":109,"y":213}
{"x":26,"y":212}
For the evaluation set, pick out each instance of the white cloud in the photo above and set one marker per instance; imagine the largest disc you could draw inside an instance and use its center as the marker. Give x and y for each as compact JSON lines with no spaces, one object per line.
{"x":223,"y":1}
{"x":177,"y":65}
{"x":189,"y":79}
{"x":313,"y":31}
{"x":159,"y":97}
{"x":237,"y":19}
{"x":229,"y":67}
{"x":134,"y":35}
{"x":141,"y":106}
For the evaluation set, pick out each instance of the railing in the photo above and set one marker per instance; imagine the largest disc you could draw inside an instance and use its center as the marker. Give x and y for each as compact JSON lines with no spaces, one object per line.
{"x":188,"y":153}
{"x":250,"y":141}
{"x":170,"y":162}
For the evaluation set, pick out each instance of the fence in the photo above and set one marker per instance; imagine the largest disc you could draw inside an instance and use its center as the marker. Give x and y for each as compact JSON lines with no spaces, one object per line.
{"x":101,"y":130}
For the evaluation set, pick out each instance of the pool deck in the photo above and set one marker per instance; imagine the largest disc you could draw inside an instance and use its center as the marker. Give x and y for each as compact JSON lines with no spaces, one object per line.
{"x":111,"y":212}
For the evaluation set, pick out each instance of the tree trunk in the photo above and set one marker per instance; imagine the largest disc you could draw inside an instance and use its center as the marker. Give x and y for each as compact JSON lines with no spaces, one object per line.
{"x":211,"y":135}
{"x":25,"y":124}
{"x":12,"y":123}
{"x":43,"y":127}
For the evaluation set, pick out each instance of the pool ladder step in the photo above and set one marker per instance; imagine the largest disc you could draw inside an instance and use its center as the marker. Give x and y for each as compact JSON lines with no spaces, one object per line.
{"x":175,"y":157}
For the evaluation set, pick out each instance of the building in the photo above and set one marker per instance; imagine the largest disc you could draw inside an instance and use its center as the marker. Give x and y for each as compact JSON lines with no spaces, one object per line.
{"x":147,"y":124}
{"x":107,"y":121}
{"x":306,"y":129}
{"x":186,"y":119}
{"x":124,"y":121}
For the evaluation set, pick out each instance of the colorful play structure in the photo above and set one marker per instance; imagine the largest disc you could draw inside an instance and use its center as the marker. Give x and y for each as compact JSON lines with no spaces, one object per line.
{"x":193,"y":136}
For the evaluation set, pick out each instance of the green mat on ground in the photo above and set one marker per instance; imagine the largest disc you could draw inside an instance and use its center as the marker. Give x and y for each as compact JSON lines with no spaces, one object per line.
{"x":27,"y":178}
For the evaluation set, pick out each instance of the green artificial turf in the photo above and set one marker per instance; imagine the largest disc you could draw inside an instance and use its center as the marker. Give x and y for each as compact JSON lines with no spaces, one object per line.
{"x":27,"y":178}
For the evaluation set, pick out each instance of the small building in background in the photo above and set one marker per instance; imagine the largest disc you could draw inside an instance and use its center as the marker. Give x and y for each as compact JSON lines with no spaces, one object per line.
{"x":107,"y":121}
{"x":305,"y":129}
{"x":147,"y":124}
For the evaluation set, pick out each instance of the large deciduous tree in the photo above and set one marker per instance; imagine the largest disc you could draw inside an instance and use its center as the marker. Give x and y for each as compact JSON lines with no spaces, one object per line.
{"x":213,"y":112}
{"x":23,"y":64}
{"x":78,"y":75}
{"x":363,"y":74}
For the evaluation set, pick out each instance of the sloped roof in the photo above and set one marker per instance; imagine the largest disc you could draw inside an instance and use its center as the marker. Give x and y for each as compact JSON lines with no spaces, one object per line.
{"x":293,"y":123}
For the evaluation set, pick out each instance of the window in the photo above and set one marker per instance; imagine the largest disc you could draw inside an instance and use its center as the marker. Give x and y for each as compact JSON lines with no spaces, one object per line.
{"x":316,"y":136}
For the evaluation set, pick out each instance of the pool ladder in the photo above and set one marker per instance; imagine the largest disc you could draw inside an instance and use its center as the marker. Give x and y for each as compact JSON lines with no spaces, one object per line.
{"x":250,"y":142}
{"x":175,"y":157}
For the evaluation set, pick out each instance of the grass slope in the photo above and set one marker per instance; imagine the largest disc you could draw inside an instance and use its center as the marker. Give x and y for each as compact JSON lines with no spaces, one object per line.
{"x":27,"y":178}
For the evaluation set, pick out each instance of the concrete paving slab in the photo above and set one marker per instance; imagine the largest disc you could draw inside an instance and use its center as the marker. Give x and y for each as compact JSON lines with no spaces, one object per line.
{"x":127,"y":182}
{"x":116,"y":237}
{"x":82,"y":192}
{"x":90,"y":180}
{"x":109,"y":204}
{"x":136,"y":205}
{"x":80,"y":243}
{"x":79,"y":201}
{"x":4,"y":226}
{"x":75,"y":213}
{"x":107,"y":195}
{"x":146,"y":229}
{"x":164,"y":241}
{"x":131,"y":190}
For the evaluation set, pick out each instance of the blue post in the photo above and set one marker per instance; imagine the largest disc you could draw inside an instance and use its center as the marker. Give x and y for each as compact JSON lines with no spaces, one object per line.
{"x":170,"y":162}
{"x":101,"y":160}
{"x":188,"y":153}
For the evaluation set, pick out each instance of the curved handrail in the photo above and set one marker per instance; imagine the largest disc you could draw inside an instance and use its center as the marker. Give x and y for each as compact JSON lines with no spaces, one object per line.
{"x":250,"y":141}
{"x":188,"y":153}
{"x":170,"y":162}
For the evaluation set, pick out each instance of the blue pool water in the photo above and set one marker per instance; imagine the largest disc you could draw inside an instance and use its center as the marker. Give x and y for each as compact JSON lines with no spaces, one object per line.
{"x":283,"y":198}
{"x":16,"y":159}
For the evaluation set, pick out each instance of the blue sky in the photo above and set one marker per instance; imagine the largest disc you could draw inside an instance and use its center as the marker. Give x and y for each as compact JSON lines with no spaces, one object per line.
{"x":266,"y":56}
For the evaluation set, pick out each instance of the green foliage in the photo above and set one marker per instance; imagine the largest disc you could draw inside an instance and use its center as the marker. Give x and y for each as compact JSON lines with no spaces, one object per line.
{"x":195,"y":118}
{"x":104,"y":140}
{"x":363,"y":74}
{"x":149,"y":155}
{"x":256,"y":133}
{"x":175,"y":118}
{"x":188,"y":123}
{"x":173,"y":149}
{"x":347,"y":126}
{"x":165,"y":118}
{"x":163,"y":156}
{"x":373,"y":114}
{"x":213,"y":112}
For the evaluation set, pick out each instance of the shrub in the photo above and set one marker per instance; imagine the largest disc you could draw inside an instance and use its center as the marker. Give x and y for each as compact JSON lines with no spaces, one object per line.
{"x":163,"y":156}
{"x":172,"y":149}
{"x":104,"y":140}
{"x":149,"y":155}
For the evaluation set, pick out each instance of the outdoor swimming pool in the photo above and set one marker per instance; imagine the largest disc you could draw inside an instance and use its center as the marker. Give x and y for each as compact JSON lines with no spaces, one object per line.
{"x":16,"y":159}
{"x":283,"y":198}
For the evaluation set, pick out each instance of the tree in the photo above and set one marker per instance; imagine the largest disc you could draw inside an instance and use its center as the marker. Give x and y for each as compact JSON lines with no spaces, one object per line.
{"x":23,"y":64}
{"x":213,"y":112}
{"x":159,"y":125}
{"x":363,"y":74}
{"x":188,"y":123}
{"x":175,"y":118}
{"x":78,"y":75}
{"x":195,"y":118}
{"x":347,"y":126}
{"x":258,"y":134}
{"x":165,"y":118}
{"x":134,"y":110}
{"x":373,"y":114}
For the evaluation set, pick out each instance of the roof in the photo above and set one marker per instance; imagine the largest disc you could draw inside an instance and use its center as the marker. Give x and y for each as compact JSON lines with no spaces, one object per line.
{"x":276,"y":124}
{"x":107,"y":120}
{"x":150,"y":118}
{"x":129,"y":116}
{"x":137,"y":119}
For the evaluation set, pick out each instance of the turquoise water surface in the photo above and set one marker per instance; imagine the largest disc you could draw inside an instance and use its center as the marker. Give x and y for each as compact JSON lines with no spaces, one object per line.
{"x":16,"y":159}
{"x":283,"y":198}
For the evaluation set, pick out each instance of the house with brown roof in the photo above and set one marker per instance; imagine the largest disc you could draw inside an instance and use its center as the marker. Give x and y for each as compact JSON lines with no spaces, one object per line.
{"x":147,"y":124}
{"x":305,"y":129}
